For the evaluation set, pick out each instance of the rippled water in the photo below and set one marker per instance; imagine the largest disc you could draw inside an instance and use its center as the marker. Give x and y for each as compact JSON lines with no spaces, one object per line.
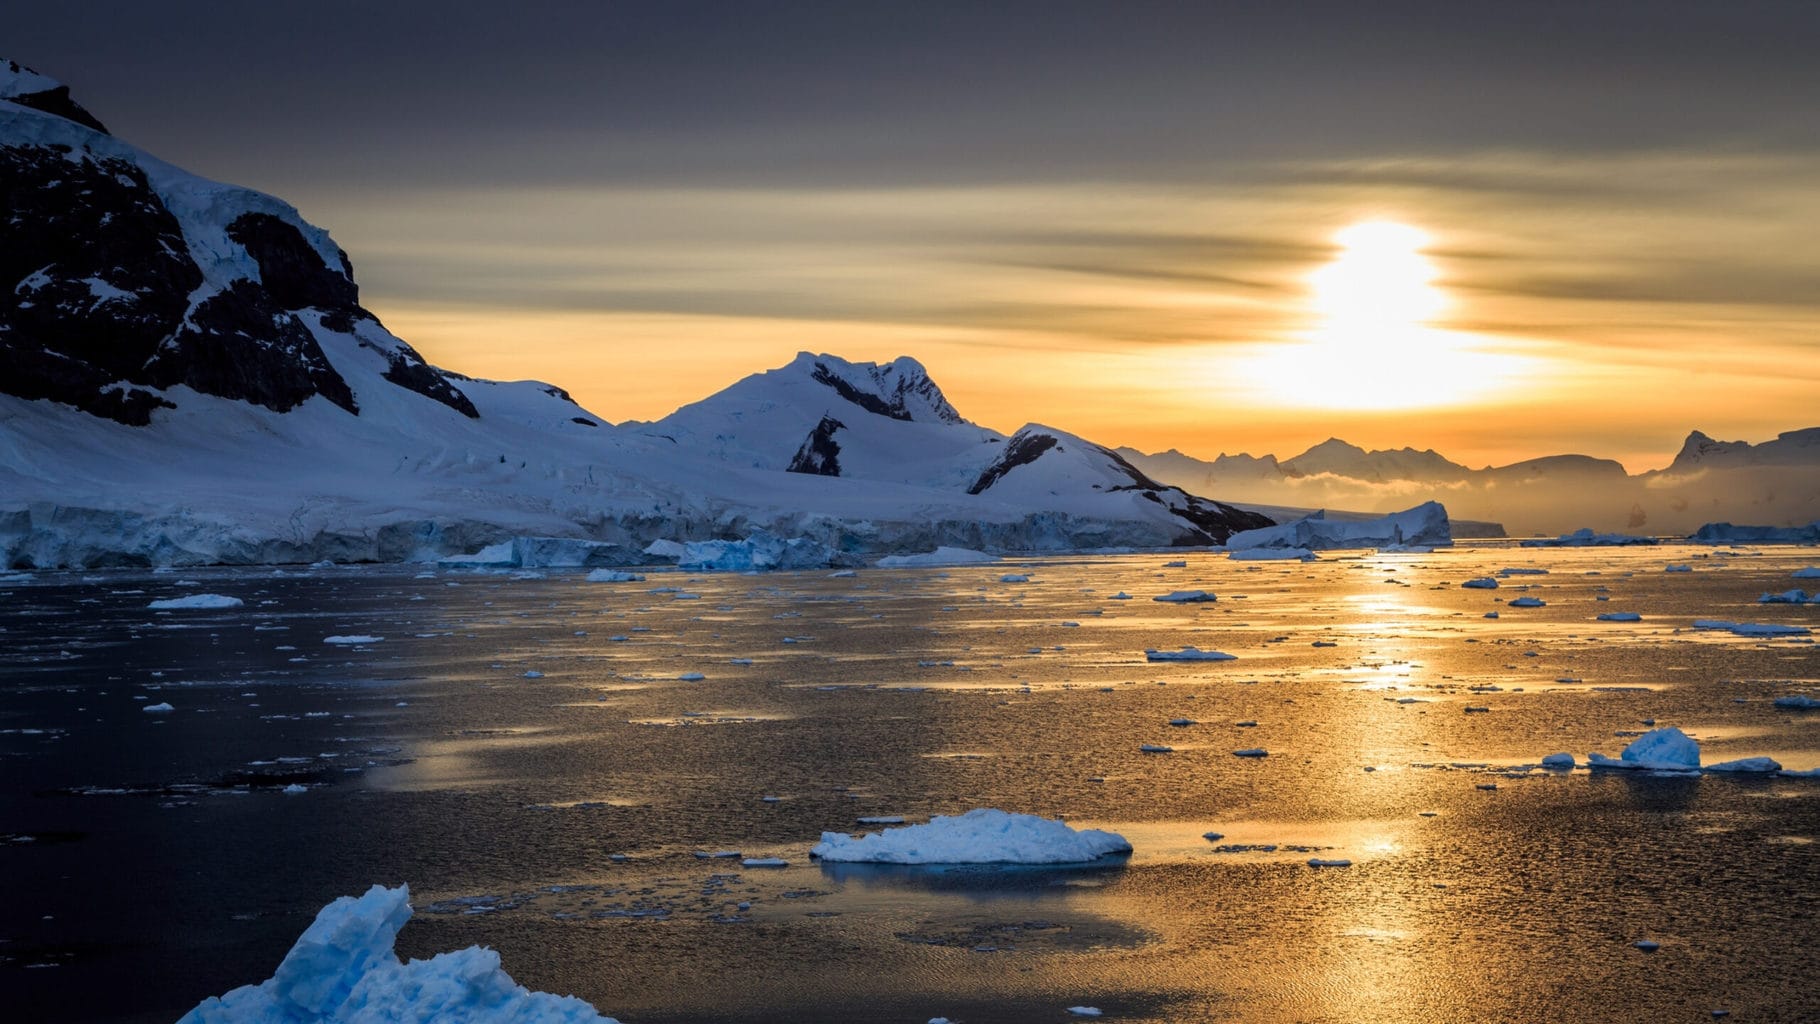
{"x":152,"y":860}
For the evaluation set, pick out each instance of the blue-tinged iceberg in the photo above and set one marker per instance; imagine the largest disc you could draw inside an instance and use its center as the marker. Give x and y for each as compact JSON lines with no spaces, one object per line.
{"x":343,"y":971}
{"x":1426,"y":525}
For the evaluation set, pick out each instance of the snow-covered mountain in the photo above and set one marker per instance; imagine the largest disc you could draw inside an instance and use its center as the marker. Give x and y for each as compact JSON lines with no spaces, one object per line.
{"x":190,"y":378}
{"x":1775,"y":483}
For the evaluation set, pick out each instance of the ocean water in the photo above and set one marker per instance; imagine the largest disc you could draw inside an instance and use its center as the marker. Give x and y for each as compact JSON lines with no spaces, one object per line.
{"x":525,"y":752}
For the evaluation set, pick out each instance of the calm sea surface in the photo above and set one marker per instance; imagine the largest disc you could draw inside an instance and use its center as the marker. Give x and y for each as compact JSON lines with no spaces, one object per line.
{"x":528,"y":755}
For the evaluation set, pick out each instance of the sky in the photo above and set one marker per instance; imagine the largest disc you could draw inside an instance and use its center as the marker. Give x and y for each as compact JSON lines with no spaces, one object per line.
{"x":1587,"y":227}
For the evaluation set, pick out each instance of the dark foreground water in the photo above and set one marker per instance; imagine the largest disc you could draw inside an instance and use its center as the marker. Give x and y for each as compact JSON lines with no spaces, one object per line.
{"x":150,"y":860}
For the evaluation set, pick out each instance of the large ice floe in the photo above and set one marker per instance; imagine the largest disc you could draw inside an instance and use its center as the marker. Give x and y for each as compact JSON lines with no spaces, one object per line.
{"x":343,"y":971}
{"x":1425,"y":525}
{"x":1667,"y":749}
{"x":982,"y":836}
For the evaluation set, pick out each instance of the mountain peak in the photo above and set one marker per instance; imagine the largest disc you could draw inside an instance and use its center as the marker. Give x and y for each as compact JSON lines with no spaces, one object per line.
{"x":20,"y":84}
{"x":900,"y":389}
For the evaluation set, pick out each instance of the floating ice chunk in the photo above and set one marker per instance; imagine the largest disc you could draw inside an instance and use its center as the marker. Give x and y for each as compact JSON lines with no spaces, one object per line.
{"x":717,"y":855}
{"x":842,"y":574}
{"x":1513,"y":571}
{"x":1188,"y":654}
{"x":1272,"y":555}
{"x":1251,"y":752}
{"x":533,"y":674}
{"x":1558,"y":761}
{"x":1799,"y":701}
{"x":343,"y":970}
{"x":1481,"y":583}
{"x":1678,"y":568}
{"x":1084,"y":1011}
{"x":1646,"y":945}
{"x":940,"y":556}
{"x":1120,"y":596}
{"x":1620,"y":617}
{"x":1790,"y":597}
{"x":691,"y":677}
{"x":1186,"y":597}
{"x":1175,"y":565}
{"x":1667,"y":749}
{"x":1746,"y":764}
{"x":352,"y":639}
{"x":1809,"y":573}
{"x":882,"y":819}
{"x":158,"y":709}
{"x":1758,"y":629}
{"x":1529,"y":602}
{"x":1181,"y":721}
{"x":1490,"y":615}
{"x":614,"y":576}
{"x":982,"y":836}
{"x":1799,"y":773}
{"x":295,"y":789}
{"x":1584,"y":537}
{"x":195,"y":601}
{"x":1014,"y":577}
{"x":1337,"y":862}
{"x":764,"y":862}
{"x":1156,"y":748}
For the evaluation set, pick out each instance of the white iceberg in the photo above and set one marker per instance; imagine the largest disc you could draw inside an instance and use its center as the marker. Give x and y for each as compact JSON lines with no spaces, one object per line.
{"x":343,"y":970}
{"x":982,"y":836}
{"x":1185,"y":597}
{"x":1667,"y":749}
{"x":940,"y":556}
{"x":1188,"y":654}
{"x":1425,"y":525}
{"x":197,"y":601}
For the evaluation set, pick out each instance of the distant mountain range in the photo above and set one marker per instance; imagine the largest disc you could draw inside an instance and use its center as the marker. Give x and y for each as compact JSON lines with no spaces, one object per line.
{"x":1775,"y":483}
{"x":190,"y":377}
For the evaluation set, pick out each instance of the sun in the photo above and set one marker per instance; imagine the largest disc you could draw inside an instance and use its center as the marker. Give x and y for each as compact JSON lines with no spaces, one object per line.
{"x":1375,"y":340}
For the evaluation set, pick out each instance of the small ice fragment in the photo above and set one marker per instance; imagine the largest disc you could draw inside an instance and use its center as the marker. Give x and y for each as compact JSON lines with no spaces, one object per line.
{"x":1186,"y":597}
{"x":1175,"y":565}
{"x":1014,"y":577}
{"x":1677,"y":568}
{"x":1475,"y":708}
{"x":1491,"y":615}
{"x":1809,"y":573}
{"x":1188,"y":654}
{"x":1181,"y":721}
{"x":614,"y":576}
{"x":533,"y":674}
{"x":764,"y":862}
{"x":1646,"y":945}
{"x":771,"y":799}
{"x":1488,"y":785}
{"x":716,"y":855}
{"x":1156,"y":748}
{"x":1249,"y":723}
{"x":1799,"y":701}
{"x":197,"y":601}
{"x":691,"y":677}
{"x":1481,"y":583}
{"x":158,"y":709}
{"x":351,"y":639}
{"x":1558,"y":761}
{"x":1120,"y":596}
{"x":1213,"y":837}
{"x":1620,"y":617}
{"x":295,"y":788}
{"x":1338,"y":862}
{"x":1529,"y":602}
{"x":1084,"y":1011}
{"x":1746,"y":764}
{"x":1251,"y":752}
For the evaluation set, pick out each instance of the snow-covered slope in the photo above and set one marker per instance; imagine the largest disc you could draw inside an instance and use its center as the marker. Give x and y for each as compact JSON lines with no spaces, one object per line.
{"x":190,"y":378}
